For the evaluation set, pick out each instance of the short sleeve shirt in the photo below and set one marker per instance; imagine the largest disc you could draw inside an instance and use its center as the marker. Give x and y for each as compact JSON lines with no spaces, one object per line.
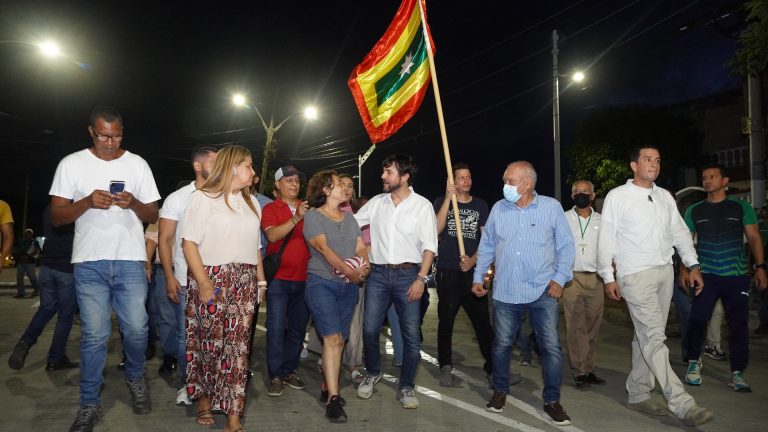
{"x":293,"y":264}
{"x":473,"y":216}
{"x":224,"y":234}
{"x":173,"y":209}
{"x":719,"y":229}
{"x":341,"y":237}
{"x":115,"y":233}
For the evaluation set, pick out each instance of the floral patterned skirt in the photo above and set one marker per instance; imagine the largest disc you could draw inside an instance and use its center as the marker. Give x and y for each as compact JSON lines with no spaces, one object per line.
{"x":218,"y":337}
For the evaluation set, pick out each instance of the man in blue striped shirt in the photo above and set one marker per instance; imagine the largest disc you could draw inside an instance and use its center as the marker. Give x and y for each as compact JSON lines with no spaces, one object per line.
{"x":528,"y":238}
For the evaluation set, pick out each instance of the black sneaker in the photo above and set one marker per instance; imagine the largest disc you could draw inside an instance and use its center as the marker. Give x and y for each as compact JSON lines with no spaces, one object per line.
{"x":497,"y":402}
{"x":594,"y":379}
{"x":582,"y":381}
{"x":20,"y":351}
{"x":334,"y":411}
{"x":555,"y":411}
{"x":169,"y":364}
{"x":139,"y":396}
{"x":323,"y":393}
{"x":60,"y":364}
{"x":86,"y":417}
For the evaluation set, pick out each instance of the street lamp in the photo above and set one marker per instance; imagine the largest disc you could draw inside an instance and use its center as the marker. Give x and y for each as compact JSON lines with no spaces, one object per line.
{"x":576,"y":77}
{"x":310,"y":113}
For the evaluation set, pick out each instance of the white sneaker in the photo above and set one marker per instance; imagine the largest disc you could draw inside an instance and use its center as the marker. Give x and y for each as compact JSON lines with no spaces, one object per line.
{"x":365,"y":389}
{"x":181,"y":397}
{"x":407,"y":397}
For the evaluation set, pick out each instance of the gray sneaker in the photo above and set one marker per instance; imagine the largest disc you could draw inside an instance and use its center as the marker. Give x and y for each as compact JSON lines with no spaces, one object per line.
{"x":86,"y":417}
{"x":365,"y":389}
{"x":446,"y":377}
{"x":407,"y":398}
{"x":139,"y":396}
{"x":698,"y":416}
{"x":648,"y":407}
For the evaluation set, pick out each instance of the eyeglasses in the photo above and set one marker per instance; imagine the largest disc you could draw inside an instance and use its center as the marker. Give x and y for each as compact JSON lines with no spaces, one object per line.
{"x":105,"y":138}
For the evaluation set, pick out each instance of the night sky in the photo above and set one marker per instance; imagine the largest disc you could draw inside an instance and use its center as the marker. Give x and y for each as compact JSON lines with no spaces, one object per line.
{"x":171,"y":68}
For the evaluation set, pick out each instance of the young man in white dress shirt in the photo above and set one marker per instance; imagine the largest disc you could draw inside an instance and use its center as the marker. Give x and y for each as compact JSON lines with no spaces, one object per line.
{"x":403,"y":245}
{"x":640,"y":225}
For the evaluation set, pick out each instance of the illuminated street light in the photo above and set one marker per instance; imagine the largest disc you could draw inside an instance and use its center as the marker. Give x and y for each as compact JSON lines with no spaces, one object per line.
{"x":50,"y":49}
{"x":239,"y":100}
{"x":576,"y":77}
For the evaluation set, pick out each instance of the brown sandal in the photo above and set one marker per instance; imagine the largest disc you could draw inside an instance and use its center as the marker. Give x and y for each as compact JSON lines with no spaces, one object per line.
{"x":205,"y":418}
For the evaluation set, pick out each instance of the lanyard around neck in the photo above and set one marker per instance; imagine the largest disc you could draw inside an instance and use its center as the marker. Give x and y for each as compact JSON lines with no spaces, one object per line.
{"x":583,"y":230}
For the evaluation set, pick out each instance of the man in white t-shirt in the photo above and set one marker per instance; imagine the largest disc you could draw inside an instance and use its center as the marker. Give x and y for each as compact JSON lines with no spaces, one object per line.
{"x":172,"y":258}
{"x":108,"y":192}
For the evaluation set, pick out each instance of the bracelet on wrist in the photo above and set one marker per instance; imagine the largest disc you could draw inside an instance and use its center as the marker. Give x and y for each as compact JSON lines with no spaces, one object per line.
{"x":261,"y":283}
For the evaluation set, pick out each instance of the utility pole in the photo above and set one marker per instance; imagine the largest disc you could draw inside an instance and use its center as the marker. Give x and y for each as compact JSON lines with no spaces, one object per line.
{"x":756,"y":142}
{"x":556,"y":114}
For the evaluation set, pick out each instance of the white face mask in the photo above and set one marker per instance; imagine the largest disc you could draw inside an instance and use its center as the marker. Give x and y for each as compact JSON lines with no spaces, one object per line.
{"x":511,"y":194}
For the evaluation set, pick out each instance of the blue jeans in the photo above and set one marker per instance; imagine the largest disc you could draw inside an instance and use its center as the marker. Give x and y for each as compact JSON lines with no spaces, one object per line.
{"x":165,"y":316}
{"x":385,"y":287}
{"x":181,"y":335}
{"x":394,"y":326}
{"x":29,"y":270}
{"x":57,"y":296}
{"x":543,"y":313}
{"x":123,"y":286}
{"x":287,"y":318}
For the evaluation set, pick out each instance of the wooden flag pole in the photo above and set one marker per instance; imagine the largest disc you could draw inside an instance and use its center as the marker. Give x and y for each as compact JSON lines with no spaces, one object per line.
{"x":443,"y":134}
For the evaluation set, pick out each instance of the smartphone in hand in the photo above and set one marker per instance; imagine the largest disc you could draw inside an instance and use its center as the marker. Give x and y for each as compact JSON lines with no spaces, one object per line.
{"x":116,"y":186}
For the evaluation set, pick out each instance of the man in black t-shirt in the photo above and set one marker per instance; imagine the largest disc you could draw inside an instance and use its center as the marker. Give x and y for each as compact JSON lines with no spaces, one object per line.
{"x":57,"y":297}
{"x":454,"y":271}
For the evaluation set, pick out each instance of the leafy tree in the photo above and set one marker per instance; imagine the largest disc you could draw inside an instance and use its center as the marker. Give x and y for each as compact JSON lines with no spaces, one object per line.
{"x":604,"y":140}
{"x":752,"y":56}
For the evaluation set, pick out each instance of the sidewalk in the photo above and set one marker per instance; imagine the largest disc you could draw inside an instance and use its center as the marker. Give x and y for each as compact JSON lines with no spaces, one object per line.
{"x":33,"y":399}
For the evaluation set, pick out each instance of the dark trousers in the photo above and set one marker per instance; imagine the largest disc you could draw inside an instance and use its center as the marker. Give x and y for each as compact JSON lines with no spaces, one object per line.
{"x":454,"y":291}
{"x":734,"y":292}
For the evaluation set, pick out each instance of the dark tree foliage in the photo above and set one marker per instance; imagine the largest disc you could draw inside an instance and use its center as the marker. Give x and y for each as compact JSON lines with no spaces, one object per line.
{"x":605,"y":139}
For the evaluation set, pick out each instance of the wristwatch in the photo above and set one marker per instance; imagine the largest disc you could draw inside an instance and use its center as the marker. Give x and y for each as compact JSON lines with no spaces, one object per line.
{"x":424,"y":279}
{"x":760,"y":266}
{"x":694,"y":267}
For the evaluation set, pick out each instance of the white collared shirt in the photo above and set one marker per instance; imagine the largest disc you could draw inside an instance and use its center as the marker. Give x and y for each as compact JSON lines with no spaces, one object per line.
{"x":638,"y":229}
{"x":401,"y":233}
{"x":584,"y":232}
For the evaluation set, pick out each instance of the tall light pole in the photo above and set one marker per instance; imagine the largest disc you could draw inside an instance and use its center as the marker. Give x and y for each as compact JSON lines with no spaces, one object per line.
{"x":310,"y":113}
{"x":556,"y":114}
{"x":577,"y":77}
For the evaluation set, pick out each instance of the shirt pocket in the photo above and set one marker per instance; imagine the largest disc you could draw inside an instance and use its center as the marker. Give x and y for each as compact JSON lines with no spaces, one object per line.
{"x":407,"y":224}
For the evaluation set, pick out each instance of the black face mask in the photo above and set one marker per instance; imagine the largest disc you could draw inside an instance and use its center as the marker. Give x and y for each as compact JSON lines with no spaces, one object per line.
{"x":582,"y":200}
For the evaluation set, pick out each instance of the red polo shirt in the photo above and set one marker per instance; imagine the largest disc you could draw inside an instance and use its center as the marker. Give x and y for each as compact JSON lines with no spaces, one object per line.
{"x":293,"y":264}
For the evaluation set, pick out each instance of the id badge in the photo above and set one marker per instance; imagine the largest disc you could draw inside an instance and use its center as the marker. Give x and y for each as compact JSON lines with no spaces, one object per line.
{"x":582,"y":248}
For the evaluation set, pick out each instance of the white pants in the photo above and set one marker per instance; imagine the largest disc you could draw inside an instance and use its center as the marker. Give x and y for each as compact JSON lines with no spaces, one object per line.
{"x":648,"y":294}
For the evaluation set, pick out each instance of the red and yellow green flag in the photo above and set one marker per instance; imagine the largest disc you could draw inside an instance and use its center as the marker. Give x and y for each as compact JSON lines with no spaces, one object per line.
{"x":390,"y":83}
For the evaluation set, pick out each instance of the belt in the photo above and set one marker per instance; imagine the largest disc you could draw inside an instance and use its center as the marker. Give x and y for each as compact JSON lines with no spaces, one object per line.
{"x":401,"y":266}
{"x":584,"y":272}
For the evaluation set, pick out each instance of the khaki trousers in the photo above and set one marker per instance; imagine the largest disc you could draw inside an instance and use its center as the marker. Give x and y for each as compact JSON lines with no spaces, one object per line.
{"x":583,"y":301}
{"x":648,"y":294}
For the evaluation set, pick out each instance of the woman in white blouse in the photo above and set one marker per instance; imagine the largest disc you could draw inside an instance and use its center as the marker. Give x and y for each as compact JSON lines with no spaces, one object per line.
{"x":221,"y":244}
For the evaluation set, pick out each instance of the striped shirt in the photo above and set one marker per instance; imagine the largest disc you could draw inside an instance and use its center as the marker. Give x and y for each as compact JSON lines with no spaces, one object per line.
{"x":531,"y":246}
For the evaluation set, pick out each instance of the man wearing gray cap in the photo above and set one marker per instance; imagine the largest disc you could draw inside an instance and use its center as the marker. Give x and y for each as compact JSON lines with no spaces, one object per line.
{"x":287,"y":313}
